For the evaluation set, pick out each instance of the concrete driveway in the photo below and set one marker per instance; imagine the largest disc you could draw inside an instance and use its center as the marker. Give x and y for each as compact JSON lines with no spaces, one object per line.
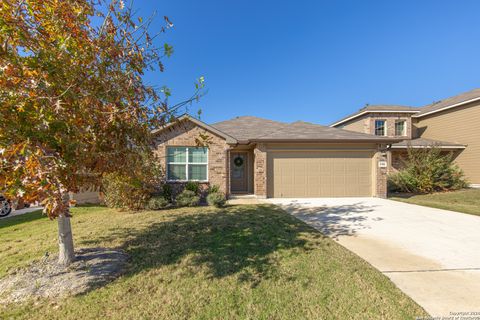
{"x":432,"y":255}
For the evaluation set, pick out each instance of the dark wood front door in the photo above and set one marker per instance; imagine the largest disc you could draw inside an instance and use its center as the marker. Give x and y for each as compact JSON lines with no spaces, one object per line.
{"x":238,"y":171}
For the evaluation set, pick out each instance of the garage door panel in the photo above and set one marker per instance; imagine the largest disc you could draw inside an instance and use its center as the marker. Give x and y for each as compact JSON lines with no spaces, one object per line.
{"x":320,"y":174}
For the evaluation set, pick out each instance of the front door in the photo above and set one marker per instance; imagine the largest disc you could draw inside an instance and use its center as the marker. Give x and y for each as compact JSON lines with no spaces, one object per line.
{"x":239,"y":167}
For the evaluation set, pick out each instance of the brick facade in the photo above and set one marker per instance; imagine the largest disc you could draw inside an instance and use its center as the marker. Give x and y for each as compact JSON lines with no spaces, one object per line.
{"x":186,"y":134}
{"x":390,"y":119}
{"x":260,"y":171}
{"x":381,"y":173}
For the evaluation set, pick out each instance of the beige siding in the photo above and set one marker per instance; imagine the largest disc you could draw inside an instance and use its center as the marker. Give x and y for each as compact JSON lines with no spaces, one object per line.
{"x":85,"y":197}
{"x":357,"y":125}
{"x":459,"y":125}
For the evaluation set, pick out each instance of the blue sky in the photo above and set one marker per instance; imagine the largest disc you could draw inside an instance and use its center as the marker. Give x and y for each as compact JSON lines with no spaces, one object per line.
{"x":317,"y":60}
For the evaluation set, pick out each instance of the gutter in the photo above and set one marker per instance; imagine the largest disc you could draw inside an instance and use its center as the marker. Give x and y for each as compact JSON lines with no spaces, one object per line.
{"x":446,"y":108}
{"x":328,"y":140}
{"x":421,"y":147}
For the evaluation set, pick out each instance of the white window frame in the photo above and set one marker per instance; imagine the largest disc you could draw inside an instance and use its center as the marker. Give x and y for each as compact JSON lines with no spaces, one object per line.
{"x":186,"y":163}
{"x":404,"y":133}
{"x":384,"y":127}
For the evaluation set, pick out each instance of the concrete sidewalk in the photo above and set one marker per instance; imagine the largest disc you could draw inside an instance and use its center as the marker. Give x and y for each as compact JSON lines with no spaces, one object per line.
{"x":22,"y":211}
{"x":432,"y":255}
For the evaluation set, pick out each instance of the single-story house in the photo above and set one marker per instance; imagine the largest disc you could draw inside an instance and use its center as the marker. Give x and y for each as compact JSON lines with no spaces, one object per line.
{"x":265,"y":158}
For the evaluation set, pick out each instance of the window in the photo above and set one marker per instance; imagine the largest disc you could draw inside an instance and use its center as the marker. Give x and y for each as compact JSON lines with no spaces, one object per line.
{"x":187,"y":163}
{"x":380,"y":128}
{"x":400,"y":128}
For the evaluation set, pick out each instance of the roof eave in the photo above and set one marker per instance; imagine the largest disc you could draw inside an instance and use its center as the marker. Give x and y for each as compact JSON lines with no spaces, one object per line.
{"x":446,"y":108}
{"x":422,"y":147}
{"x":228,"y":139}
{"x":367,"y":140}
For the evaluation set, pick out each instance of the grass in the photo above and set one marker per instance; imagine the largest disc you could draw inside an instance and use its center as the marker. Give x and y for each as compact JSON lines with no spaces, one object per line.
{"x":466,"y":201}
{"x":240,"y":262}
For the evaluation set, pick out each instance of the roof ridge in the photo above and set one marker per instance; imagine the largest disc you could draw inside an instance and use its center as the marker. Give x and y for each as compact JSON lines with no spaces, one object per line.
{"x":255,"y":117}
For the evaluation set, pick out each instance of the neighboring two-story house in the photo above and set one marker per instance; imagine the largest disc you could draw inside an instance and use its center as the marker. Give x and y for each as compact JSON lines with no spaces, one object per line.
{"x":452,"y":124}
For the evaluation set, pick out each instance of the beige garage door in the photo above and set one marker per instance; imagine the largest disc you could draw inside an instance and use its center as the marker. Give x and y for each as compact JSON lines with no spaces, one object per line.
{"x":320,"y":174}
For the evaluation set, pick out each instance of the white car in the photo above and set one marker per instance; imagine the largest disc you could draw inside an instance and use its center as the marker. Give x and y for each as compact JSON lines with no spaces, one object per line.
{"x":5,"y":206}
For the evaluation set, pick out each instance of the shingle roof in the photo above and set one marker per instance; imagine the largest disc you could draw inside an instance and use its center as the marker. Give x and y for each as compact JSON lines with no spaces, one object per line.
{"x":376,"y":108}
{"x":419,"y":111}
{"x":301,"y":130}
{"x":463,"y":97}
{"x":423,"y":142}
{"x":250,"y":128}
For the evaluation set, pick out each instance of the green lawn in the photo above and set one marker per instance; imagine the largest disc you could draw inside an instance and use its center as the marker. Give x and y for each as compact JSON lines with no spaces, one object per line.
{"x":242,"y":262}
{"x":467,"y":201}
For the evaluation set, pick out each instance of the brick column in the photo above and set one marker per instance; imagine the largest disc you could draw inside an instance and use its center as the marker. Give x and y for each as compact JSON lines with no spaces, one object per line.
{"x":228,"y":176}
{"x":260,"y":170}
{"x":389,"y":161}
{"x":381,"y":172}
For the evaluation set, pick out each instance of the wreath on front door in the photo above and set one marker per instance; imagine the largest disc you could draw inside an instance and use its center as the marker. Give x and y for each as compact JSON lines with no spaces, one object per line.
{"x":238,"y":161}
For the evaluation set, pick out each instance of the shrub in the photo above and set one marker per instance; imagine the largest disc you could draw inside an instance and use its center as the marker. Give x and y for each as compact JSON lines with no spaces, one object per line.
{"x":131,"y":190}
{"x":125,"y":192}
{"x":213,"y":189}
{"x":157,"y":203}
{"x":187,"y":198}
{"x":427,"y":170}
{"x":216,"y":199}
{"x":167,"y":192}
{"x":193,"y":186}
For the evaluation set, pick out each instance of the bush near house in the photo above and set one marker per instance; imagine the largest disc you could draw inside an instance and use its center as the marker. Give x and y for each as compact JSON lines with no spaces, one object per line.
{"x":216,"y":199}
{"x":187,"y":198}
{"x":193,"y":186}
{"x":157,"y":203}
{"x":427,"y":170}
{"x":213,"y":189}
{"x":125,"y":192}
{"x":132,"y":189}
{"x":167,"y":192}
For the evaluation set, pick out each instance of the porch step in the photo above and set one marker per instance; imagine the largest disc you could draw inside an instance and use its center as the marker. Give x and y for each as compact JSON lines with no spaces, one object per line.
{"x":244,"y":199}
{"x":241,"y":196}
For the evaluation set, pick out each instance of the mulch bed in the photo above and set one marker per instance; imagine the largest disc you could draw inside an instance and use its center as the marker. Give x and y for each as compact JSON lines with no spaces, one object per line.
{"x":92,"y":268}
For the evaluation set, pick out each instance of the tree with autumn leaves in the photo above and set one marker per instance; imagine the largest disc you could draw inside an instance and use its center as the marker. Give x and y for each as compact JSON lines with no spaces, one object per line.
{"x":74,"y":105}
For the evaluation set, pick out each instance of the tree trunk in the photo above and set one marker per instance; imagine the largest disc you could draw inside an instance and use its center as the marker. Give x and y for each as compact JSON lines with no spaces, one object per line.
{"x":66,"y":254}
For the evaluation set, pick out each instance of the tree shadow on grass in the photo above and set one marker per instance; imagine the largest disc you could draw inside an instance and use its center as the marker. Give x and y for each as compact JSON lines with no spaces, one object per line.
{"x":13,"y":220}
{"x":10,"y":221}
{"x":236,"y":240}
